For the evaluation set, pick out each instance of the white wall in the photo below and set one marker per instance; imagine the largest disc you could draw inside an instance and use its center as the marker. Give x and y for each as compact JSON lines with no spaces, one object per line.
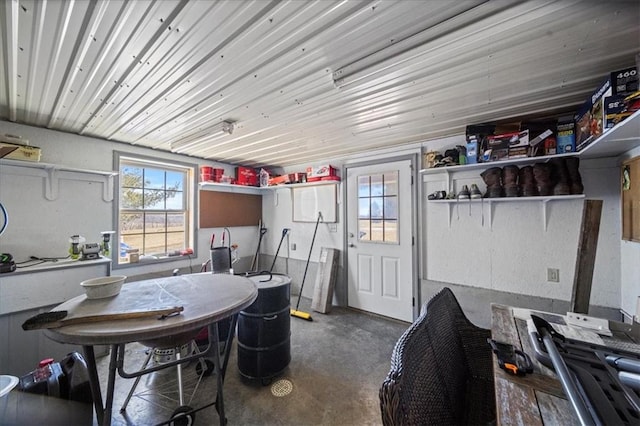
{"x":511,"y":256}
{"x":512,"y":250}
{"x":42,"y":228}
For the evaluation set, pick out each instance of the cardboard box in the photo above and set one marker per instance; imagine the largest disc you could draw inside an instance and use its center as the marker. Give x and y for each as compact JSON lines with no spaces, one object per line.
{"x":519,"y":152}
{"x":472,"y":151}
{"x":246,"y":176}
{"x":566,"y":141}
{"x":624,"y":82}
{"x":509,"y":140}
{"x":590,"y":117}
{"x":613,"y":105}
{"x":20,"y":152}
{"x":317,"y":172}
{"x":499,"y":154}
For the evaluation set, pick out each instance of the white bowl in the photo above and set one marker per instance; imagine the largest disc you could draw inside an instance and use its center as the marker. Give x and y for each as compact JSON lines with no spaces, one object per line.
{"x":7,"y":383}
{"x":101,"y":287}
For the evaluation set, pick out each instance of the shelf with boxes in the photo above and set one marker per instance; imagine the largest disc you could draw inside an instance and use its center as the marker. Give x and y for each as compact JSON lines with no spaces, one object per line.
{"x":613,"y":142}
{"x":52,"y":173}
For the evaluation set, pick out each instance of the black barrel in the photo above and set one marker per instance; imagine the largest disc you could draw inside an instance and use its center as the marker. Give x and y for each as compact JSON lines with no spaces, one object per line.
{"x":264,"y":329}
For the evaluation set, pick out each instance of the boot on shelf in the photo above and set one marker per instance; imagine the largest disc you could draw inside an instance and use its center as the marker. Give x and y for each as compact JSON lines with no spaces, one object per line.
{"x":492,"y":178}
{"x":542,"y":176}
{"x":573,"y":164}
{"x":510,"y":180}
{"x":528,"y":186}
{"x":561,"y":173}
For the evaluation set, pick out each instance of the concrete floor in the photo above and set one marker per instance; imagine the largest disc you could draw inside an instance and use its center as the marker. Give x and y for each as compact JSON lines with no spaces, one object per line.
{"x":338,"y":362}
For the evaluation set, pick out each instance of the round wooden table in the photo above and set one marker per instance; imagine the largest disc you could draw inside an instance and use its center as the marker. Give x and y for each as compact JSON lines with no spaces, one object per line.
{"x":206,"y":298}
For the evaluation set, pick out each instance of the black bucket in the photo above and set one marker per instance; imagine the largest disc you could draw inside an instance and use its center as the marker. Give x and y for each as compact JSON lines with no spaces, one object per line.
{"x":221,"y":260}
{"x":264,"y":329}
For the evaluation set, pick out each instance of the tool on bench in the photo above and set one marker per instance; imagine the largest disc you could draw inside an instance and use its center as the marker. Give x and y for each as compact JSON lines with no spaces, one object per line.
{"x":512,"y":360}
{"x":55,"y":319}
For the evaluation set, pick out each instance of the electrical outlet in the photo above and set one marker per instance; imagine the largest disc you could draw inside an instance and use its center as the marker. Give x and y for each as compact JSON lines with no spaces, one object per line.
{"x":293,"y":246}
{"x":553,"y":275}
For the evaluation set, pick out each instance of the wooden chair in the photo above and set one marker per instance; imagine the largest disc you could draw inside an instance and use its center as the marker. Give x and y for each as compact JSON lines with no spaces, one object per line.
{"x":441,"y":370}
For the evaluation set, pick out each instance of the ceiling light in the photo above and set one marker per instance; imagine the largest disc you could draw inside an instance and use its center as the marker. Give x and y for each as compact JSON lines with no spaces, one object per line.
{"x":217,"y":130}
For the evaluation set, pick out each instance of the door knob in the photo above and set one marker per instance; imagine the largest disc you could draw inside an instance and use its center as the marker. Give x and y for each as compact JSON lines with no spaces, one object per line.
{"x":352,"y":245}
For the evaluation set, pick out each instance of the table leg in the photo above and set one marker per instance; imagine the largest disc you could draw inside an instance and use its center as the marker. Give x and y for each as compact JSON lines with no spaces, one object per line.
{"x":94,"y":381}
{"x":215,"y":335}
{"x":111,"y":383}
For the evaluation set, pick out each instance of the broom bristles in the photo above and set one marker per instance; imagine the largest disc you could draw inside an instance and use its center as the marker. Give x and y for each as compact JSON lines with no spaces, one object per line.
{"x":301,"y":314}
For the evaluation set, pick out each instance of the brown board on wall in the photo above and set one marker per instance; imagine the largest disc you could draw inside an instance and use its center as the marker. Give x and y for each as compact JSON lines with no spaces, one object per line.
{"x":631,"y":200}
{"x":219,"y":209}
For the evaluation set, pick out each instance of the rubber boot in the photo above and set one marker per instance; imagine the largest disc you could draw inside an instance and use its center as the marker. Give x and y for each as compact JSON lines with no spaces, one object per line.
{"x":528,"y":186}
{"x":492,"y":178}
{"x":542,"y":176}
{"x":561,"y":173}
{"x":573,"y":164}
{"x":510,"y":180}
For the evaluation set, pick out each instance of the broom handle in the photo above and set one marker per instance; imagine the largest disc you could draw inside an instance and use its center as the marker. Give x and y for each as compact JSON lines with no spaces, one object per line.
{"x":313,"y":239}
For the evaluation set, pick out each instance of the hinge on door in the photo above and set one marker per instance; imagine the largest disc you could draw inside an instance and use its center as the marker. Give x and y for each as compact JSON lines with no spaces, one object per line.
{"x":413,"y":241}
{"x":413,"y":301}
{"x":411,"y":179}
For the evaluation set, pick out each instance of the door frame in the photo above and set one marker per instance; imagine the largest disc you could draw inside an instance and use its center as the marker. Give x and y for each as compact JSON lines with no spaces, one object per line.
{"x":415,"y":224}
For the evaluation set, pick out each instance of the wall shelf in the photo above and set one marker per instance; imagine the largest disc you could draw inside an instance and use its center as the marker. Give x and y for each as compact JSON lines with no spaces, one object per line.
{"x":229,"y":187}
{"x":491,"y":201}
{"x":614,"y":142}
{"x":52,"y":173}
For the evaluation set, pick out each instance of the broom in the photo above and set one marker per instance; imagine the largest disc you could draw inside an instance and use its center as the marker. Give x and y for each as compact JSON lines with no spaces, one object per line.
{"x":295,"y":312}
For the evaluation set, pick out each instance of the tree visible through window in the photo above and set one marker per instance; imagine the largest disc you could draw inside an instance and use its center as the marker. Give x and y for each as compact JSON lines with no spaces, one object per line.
{"x":153,"y":216}
{"x":378,"y":207}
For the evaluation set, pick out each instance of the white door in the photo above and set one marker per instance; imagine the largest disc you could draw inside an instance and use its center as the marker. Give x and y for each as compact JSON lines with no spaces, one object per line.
{"x":379,"y":239}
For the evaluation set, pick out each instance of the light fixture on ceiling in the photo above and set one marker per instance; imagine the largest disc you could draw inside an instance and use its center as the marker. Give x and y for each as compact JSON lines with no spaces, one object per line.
{"x":220,"y":129}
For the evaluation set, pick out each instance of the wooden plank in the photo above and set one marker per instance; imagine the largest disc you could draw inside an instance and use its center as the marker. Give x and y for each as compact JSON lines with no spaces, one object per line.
{"x":556,"y":411}
{"x":587,"y":245}
{"x":631,"y":199}
{"x":515,"y":404}
{"x":325,"y":280}
{"x":219,"y":209}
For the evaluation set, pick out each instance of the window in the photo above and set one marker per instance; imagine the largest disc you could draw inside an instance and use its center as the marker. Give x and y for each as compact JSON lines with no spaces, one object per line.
{"x":378,"y":207}
{"x":155,"y":210}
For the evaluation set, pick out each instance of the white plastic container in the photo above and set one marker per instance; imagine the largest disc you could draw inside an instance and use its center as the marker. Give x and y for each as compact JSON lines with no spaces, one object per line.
{"x":102,"y":287}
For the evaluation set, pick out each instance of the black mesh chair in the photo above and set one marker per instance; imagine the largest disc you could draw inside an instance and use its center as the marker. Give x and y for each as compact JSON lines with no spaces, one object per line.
{"x":441,"y":370}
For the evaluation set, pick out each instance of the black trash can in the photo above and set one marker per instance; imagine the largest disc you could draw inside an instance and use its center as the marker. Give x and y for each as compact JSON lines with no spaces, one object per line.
{"x":264,"y":329}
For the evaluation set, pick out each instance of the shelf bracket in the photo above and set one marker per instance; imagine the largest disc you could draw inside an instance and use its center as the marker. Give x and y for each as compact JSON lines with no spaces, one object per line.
{"x":51,"y":184}
{"x":544,"y":213}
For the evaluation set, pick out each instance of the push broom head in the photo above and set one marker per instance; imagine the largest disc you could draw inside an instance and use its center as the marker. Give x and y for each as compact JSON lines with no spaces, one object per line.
{"x":301,"y":314}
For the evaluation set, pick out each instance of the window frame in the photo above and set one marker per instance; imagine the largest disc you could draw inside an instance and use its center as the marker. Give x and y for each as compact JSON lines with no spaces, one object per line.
{"x":190,"y":190}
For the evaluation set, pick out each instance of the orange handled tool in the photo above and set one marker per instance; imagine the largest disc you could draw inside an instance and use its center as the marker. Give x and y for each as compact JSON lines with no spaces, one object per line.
{"x":510,"y":359}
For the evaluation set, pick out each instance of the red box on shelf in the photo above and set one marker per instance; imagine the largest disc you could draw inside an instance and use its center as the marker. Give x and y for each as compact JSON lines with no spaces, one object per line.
{"x":210,"y":174}
{"x":246,"y":176}
{"x":318,"y":172}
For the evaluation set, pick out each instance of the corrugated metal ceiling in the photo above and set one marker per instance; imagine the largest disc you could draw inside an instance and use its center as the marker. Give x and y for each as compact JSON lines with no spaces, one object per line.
{"x":302,"y":81}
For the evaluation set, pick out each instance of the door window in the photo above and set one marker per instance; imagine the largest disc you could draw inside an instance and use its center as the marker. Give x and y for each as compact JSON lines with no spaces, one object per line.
{"x":378,"y":207}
